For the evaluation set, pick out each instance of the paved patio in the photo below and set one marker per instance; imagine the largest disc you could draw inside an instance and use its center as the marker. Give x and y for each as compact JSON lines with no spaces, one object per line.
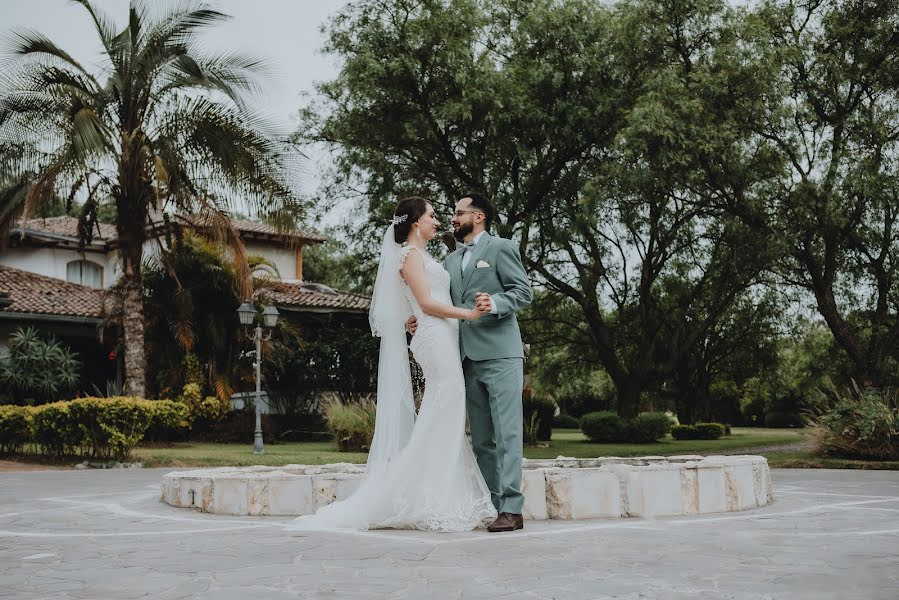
{"x":105,"y":535}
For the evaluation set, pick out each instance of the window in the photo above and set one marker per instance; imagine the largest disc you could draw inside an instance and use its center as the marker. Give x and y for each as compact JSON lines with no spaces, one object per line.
{"x":85,"y":272}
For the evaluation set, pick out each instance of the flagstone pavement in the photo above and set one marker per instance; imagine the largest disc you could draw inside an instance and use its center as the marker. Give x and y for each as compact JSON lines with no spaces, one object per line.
{"x":105,"y":535}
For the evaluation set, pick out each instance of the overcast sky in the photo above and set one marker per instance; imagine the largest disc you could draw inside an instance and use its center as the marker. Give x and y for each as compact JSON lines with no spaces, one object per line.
{"x":284,"y":32}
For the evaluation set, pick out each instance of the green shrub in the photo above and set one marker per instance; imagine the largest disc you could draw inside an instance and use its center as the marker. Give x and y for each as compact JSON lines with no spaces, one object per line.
{"x":710,"y":431}
{"x":352,"y":425}
{"x":860,"y":424}
{"x":111,"y":427}
{"x":649,"y":427}
{"x":564,"y":421}
{"x":604,"y":426}
{"x":543,"y":408}
{"x":15,"y":427}
{"x":684,"y":432}
{"x":726,"y":428}
{"x":699,"y":431}
{"x":54,"y":430}
{"x":780,"y":420}
{"x":101,"y":428}
{"x":169,"y":420}
{"x":203,"y":410}
{"x":37,"y":370}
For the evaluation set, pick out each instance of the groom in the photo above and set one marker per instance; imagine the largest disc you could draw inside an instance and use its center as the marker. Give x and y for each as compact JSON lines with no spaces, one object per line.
{"x":486,"y":273}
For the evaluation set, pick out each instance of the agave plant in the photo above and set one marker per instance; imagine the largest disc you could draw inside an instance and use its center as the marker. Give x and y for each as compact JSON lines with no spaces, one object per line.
{"x":162,"y":125}
{"x":36,"y":369}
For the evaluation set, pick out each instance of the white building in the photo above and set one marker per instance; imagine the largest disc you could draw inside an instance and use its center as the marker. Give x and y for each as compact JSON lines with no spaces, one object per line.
{"x":49,"y":282}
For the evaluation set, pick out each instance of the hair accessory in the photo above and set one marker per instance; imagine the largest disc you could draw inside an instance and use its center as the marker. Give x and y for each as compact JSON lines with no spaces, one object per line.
{"x":399,"y":219}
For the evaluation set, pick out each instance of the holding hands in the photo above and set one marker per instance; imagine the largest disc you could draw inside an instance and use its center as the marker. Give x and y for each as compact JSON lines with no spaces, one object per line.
{"x":483,"y":305}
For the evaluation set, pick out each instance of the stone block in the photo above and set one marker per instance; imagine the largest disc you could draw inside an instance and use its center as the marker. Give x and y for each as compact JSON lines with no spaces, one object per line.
{"x":689,"y":484}
{"x":229,"y":495}
{"x":558,"y":493}
{"x":594,"y":494}
{"x":654,"y":491}
{"x":712,"y":489}
{"x":745,"y":482}
{"x":257,"y":495}
{"x":290,"y":496}
{"x":533,"y":486}
{"x":328,"y":487}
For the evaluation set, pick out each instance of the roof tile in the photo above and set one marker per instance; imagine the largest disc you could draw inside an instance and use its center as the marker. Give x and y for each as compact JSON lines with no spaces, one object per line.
{"x":32,"y":293}
{"x":311,"y":295}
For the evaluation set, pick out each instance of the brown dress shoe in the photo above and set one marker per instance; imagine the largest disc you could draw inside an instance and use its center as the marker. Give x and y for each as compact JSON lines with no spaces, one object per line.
{"x":506,"y":522}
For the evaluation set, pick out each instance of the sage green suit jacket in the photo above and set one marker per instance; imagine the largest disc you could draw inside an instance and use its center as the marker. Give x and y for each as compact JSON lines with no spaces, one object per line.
{"x":501,"y":275}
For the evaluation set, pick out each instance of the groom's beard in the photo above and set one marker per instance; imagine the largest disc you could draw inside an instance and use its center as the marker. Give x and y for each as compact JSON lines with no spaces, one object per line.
{"x":462,"y":231}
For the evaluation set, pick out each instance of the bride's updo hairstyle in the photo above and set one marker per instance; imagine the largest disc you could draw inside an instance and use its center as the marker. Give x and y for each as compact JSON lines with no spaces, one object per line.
{"x":408,"y":211}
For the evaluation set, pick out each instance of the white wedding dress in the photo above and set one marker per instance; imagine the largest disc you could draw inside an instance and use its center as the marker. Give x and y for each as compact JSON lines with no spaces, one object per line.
{"x":433,"y":483}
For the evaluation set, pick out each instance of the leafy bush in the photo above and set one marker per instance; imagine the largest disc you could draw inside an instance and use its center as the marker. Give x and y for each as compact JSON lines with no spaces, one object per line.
{"x":860,"y":423}
{"x":203,"y":410}
{"x":604,"y":426}
{"x":111,"y":427}
{"x":102,"y":428}
{"x":564,"y":421}
{"x":649,"y":427}
{"x":353,"y":425}
{"x":37,"y":370}
{"x":699,"y":431}
{"x":15,"y":427}
{"x":543,"y":408}
{"x":169,"y":421}
{"x":55,"y":432}
{"x":781,"y":420}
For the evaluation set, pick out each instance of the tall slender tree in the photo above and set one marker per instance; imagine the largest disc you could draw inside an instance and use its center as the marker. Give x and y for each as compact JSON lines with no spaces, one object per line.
{"x":163,"y":124}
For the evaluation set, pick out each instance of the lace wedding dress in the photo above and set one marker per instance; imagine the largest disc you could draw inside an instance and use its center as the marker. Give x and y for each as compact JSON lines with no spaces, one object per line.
{"x":433,"y":483}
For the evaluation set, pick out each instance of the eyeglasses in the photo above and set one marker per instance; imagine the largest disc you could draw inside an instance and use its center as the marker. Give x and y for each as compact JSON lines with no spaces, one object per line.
{"x":459,"y":213}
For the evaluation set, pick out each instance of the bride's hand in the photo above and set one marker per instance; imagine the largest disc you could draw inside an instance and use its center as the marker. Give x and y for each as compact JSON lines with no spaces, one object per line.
{"x":474,"y":314}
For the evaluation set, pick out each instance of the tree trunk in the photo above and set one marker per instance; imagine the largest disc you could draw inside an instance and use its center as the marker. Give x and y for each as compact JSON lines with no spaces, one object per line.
{"x":628,"y":399}
{"x":133,"y":328}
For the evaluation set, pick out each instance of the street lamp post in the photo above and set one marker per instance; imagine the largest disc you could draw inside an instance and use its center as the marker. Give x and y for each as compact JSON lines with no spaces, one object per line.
{"x":247,"y":314}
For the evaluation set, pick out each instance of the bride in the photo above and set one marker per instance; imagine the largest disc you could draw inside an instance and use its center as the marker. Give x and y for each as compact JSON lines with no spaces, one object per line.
{"x":426,"y":476}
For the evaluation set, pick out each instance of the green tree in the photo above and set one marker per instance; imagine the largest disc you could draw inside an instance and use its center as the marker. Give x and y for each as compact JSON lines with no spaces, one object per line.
{"x":615,"y":142}
{"x":833,"y":121}
{"x":161,"y":124}
{"x":190,"y":306}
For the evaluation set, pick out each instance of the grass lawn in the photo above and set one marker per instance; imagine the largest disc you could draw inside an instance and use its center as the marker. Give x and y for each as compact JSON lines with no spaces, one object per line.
{"x":565,"y":442}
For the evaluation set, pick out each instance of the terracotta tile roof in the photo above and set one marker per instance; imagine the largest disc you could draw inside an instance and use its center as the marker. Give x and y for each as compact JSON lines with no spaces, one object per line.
{"x":313,"y":296}
{"x":68,"y":227}
{"x":26,"y":292}
{"x":254,"y":229}
{"x":64,"y":226}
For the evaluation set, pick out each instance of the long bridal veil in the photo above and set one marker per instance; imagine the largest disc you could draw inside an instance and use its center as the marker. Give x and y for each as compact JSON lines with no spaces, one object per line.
{"x":395,"y":403}
{"x":395,"y":414}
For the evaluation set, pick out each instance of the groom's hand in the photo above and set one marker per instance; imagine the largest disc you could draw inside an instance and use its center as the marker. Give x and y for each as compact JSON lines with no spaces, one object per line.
{"x":412,"y":325}
{"x":483,"y":302}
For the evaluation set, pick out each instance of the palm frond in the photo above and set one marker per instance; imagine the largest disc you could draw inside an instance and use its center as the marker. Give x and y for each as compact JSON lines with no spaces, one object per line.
{"x":31,"y":43}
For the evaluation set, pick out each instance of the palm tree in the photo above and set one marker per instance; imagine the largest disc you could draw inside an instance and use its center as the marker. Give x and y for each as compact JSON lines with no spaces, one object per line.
{"x":162,"y":126}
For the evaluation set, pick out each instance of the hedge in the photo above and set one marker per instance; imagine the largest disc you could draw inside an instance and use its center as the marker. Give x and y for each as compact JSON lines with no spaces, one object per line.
{"x":15,"y":427}
{"x":604,"y":426}
{"x":564,"y":421}
{"x":699,"y":431}
{"x":101,"y":428}
{"x":649,"y":427}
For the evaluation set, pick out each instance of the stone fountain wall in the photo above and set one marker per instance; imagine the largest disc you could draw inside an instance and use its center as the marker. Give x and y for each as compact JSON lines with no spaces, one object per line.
{"x":564,"y":488}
